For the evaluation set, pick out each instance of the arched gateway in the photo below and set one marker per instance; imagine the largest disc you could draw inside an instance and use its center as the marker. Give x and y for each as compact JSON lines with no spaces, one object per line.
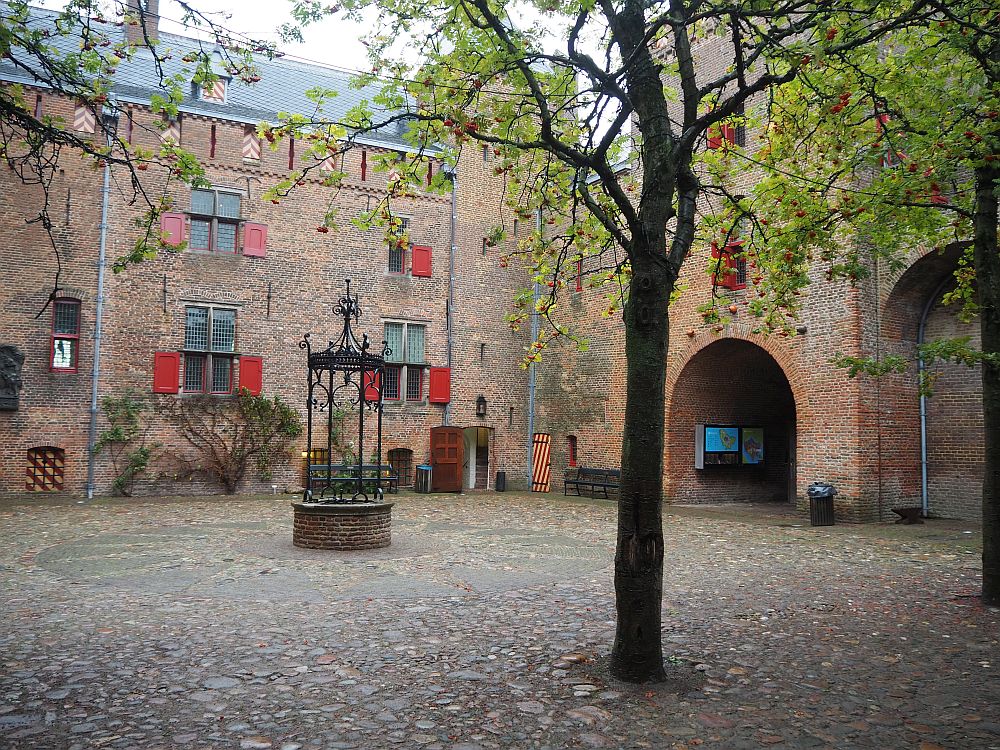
{"x":731,"y":427}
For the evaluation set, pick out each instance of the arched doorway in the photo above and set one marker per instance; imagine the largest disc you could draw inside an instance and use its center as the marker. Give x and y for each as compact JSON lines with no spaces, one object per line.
{"x":736,"y":385}
{"x":952,"y":423}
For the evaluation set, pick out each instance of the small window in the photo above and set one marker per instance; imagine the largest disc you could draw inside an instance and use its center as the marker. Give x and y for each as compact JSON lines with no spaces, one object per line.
{"x":209,"y":345}
{"x":415,"y":384}
{"x":65,"y":350}
{"x":571,"y":450}
{"x":46,"y":468}
{"x":390,"y":388}
{"x":516,"y":227}
{"x":397,"y":250}
{"x":486,"y":154}
{"x":486,"y":245}
{"x":215,"y":220}
{"x":579,"y":275}
{"x":740,"y":133}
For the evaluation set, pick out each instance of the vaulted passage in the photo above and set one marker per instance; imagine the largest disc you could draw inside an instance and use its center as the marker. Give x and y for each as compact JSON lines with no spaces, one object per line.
{"x":746,"y":448}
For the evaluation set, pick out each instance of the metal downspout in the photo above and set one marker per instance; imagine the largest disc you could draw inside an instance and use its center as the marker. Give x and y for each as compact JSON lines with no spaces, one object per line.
{"x":921,"y":330}
{"x":531,"y":367}
{"x":99,"y":314}
{"x":452,"y":173}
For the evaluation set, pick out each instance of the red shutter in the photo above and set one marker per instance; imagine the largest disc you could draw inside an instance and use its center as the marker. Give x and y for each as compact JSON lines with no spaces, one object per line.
{"x":373,"y":383}
{"x":421,"y":260}
{"x":714,"y":137}
{"x":172,"y":228}
{"x":729,"y":133}
{"x":255,"y":240}
{"x":166,"y":372}
{"x":440,"y":385}
{"x":252,"y":374}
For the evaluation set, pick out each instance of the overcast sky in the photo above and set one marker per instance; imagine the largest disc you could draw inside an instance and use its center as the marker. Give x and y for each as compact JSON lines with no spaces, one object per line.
{"x":330,"y":42}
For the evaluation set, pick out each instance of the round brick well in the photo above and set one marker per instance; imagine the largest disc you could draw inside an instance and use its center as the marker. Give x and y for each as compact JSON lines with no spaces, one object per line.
{"x":344,"y":526}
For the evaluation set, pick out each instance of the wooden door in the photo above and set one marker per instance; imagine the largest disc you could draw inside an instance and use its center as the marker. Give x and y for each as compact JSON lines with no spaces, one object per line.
{"x":541,"y":468}
{"x":447,"y":453}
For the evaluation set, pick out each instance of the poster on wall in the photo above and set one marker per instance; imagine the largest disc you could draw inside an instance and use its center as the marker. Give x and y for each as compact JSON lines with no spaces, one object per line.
{"x":722,"y":439}
{"x":752,"y":445}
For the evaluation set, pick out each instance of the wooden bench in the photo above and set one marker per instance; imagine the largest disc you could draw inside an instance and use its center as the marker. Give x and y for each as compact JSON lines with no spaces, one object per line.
{"x":592,"y":479}
{"x":344,"y":475}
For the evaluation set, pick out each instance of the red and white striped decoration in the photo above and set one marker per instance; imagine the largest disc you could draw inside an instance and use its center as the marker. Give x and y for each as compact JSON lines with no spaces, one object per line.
{"x":84,"y":120}
{"x":329,"y":164}
{"x":541,"y":468}
{"x":173,"y":131}
{"x":251,"y":143}
{"x":215,"y":93}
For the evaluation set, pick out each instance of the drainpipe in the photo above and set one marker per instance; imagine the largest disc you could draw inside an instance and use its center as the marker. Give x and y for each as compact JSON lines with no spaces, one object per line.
{"x":110,"y":122}
{"x":921,"y":330}
{"x":531,"y":367}
{"x":452,"y":174}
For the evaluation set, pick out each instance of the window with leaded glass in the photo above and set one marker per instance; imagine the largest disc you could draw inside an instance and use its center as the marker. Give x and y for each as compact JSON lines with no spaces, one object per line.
{"x":406,"y":355}
{"x":215,"y":220}
{"x":390,"y":388}
{"x":65,"y":350}
{"x":209,"y":344}
{"x":397,"y":249}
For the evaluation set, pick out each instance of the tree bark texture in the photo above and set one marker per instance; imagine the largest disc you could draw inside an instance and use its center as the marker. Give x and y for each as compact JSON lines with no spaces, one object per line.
{"x":988,"y":280}
{"x":637,"y":655}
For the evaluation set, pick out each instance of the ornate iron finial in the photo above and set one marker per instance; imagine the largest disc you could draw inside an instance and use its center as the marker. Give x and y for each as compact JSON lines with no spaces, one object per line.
{"x":348,"y":306}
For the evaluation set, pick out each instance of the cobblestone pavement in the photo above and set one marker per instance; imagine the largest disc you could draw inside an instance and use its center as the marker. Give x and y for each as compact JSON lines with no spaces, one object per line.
{"x":196,"y":624}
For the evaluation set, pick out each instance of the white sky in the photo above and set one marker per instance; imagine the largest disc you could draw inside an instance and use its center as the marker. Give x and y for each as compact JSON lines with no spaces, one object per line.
{"x":330,"y":42}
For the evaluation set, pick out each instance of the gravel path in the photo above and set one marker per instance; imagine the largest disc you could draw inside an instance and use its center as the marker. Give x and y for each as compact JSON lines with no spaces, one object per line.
{"x":194,"y":623}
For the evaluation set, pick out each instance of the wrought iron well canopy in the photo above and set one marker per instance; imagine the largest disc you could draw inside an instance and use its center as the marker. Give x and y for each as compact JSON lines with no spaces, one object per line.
{"x":345,"y":375}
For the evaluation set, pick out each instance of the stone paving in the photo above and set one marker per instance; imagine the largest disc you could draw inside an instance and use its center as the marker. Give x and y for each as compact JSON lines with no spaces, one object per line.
{"x":194,"y":623}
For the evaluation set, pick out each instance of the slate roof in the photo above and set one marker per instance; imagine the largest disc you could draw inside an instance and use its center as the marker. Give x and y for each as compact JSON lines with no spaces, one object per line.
{"x":281,"y":89}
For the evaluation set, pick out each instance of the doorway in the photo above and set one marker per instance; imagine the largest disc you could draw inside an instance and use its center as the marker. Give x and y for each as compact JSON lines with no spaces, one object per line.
{"x":476,"y":465}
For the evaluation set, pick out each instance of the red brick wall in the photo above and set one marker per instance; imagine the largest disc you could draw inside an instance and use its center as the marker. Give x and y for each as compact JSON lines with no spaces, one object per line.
{"x":278,"y":298}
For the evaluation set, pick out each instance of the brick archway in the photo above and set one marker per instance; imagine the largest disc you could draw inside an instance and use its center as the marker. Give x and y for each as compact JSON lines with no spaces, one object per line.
{"x":953,"y":413}
{"x":740,"y":379}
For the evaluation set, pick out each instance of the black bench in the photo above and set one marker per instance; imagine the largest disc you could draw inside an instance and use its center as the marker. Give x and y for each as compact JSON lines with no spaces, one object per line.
{"x":593,"y":480}
{"x":344,"y":475}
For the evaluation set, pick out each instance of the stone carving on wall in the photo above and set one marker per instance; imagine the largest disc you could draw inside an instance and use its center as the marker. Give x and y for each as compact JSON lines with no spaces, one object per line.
{"x":11,"y":360}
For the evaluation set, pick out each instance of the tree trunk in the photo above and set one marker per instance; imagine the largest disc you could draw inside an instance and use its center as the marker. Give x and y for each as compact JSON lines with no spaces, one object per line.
{"x":637,"y":655}
{"x":988,"y":281}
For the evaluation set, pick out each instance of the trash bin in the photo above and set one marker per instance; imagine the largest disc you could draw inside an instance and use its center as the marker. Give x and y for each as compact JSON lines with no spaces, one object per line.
{"x":501,"y":482}
{"x":821,"y":504}
{"x":423,"y":479}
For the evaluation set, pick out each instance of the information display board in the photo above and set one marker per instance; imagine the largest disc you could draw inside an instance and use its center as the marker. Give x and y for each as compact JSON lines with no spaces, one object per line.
{"x":728,"y":445}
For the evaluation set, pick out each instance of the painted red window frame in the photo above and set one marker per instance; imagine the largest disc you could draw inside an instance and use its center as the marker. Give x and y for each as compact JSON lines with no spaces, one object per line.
{"x":75,"y":337}
{"x":571,"y":457}
{"x":579,"y":275}
{"x":411,"y":371}
{"x":211,"y":375}
{"x":402,"y":260}
{"x":204,"y":373}
{"x":386,"y":396}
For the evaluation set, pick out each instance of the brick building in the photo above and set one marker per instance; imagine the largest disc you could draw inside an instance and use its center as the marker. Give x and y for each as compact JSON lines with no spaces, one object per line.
{"x":862,"y":435}
{"x":256,"y":276}
{"x":231,"y":308}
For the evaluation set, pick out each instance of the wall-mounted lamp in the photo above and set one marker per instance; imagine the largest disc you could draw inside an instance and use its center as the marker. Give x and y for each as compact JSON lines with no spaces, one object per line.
{"x":481,"y":406}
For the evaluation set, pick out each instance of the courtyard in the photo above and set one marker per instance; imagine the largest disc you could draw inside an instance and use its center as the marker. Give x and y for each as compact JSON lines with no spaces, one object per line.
{"x":194,"y":623}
